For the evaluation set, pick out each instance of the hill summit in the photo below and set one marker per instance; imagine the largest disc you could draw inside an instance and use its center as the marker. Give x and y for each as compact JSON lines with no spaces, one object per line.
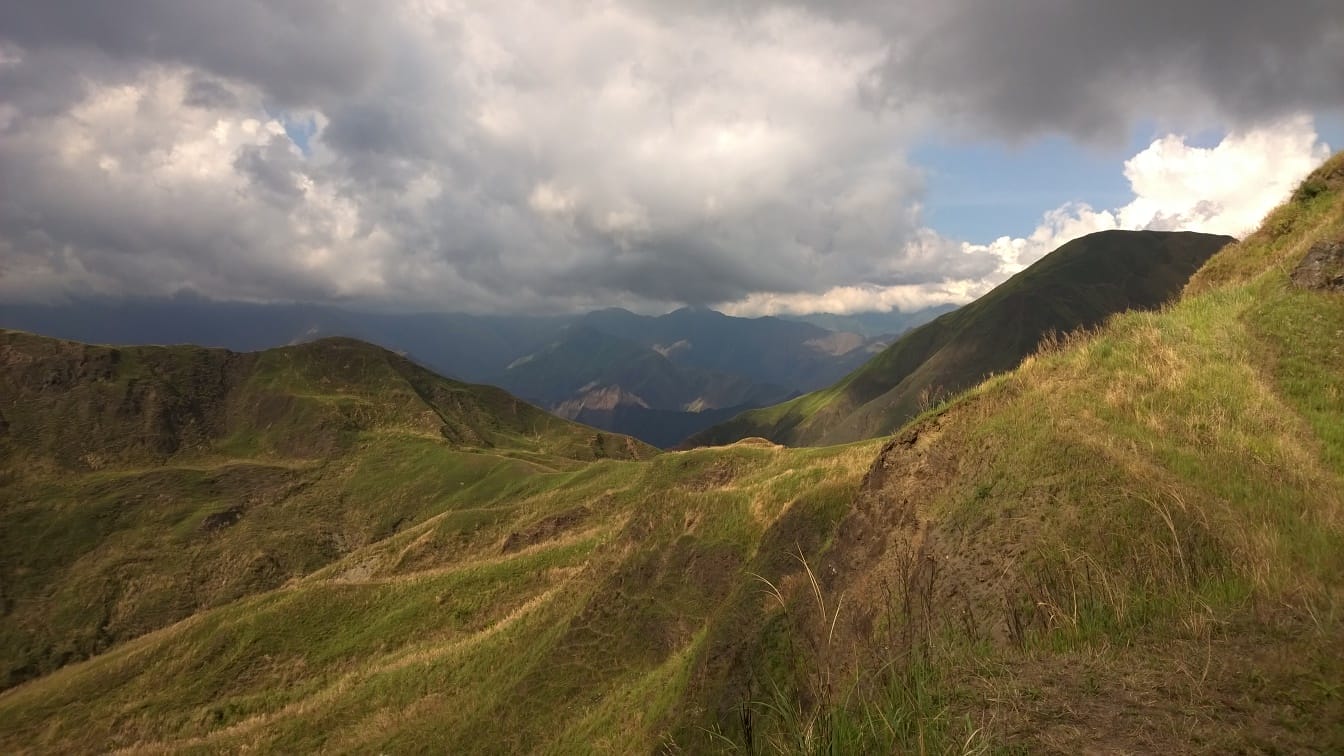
{"x":1077,"y":286}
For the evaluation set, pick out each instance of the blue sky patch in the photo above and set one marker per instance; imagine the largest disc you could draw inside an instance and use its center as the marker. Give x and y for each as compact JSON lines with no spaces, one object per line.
{"x":979,"y":192}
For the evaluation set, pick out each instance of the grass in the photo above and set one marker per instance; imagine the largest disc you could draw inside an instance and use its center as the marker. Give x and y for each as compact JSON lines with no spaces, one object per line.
{"x":412,"y":613}
{"x":1168,"y":481}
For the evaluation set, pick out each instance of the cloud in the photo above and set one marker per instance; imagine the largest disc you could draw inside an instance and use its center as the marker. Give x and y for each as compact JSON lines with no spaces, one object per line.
{"x":1089,"y":69}
{"x":1224,"y":189}
{"x":617,"y":157}
{"x":545,"y":156}
{"x":129,"y":193}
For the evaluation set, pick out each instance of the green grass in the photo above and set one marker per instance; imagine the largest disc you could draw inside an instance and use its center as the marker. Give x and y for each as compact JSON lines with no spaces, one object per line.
{"x":441,"y":625}
{"x":1173,"y":479}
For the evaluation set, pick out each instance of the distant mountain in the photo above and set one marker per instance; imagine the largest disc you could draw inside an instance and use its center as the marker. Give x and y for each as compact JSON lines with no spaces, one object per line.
{"x":1076,"y":286}
{"x":613,"y":383}
{"x":875,"y":324}
{"x":688,"y":361}
{"x":798,"y":355}
{"x":469,"y":347}
{"x":617,"y":371}
{"x":662,"y":428}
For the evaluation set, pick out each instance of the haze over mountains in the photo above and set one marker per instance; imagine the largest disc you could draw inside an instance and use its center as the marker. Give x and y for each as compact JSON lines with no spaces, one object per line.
{"x":658,"y":378}
{"x":668,"y":379}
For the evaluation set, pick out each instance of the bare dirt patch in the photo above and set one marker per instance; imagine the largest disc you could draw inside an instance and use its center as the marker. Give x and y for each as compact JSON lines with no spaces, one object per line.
{"x":221,"y":520}
{"x":906,"y":573}
{"x":718,"y":475}
{"x":544,"y":529}
{"x":1235,"y":694}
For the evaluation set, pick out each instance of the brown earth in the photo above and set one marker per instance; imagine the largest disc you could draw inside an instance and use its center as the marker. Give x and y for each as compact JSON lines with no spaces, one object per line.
{"x":544,"y":530}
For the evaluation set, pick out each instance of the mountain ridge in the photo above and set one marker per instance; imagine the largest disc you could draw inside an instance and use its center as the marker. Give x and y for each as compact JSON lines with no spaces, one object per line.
{"x":704,"y":347}
{"x":1076,"y":286}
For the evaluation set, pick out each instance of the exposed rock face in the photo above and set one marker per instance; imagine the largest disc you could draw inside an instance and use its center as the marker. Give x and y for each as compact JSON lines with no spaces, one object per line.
{"x":1322,"y":268}
{"x":601,"y":398}
{"x":837,"y":343}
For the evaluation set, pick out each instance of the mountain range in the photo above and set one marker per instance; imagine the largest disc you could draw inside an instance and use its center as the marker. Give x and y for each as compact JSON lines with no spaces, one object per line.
{"x":659,"y":378}
{"x":180,"y":478}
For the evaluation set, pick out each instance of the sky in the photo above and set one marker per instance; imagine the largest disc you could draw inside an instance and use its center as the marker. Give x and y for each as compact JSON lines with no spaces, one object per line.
{"x":543,"y":157}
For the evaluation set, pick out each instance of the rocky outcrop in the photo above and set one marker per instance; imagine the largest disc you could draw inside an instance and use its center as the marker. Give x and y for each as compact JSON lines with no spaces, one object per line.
{"x":1322,"y":269}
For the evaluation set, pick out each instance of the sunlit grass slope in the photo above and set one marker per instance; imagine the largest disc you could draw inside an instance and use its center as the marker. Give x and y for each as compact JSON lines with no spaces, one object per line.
{"x":1132,"y":543}
{"x":567,"y":609}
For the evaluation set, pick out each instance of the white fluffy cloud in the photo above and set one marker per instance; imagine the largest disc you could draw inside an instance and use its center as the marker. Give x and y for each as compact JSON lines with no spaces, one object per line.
{"x":1224,"y":189}
{"x":133,"y":192}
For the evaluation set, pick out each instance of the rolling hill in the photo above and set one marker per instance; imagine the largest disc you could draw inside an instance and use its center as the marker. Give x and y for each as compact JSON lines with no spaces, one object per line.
{"x":146,"y":483}
{"x":1131,"y":542}
{"x":1076,"y":286}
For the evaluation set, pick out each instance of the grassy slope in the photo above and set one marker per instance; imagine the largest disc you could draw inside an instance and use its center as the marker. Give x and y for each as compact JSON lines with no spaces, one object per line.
{"x":1133,"y":542}
{"x":564,"y":608}
{"x":1078,"y":285}
{"x":143,"y":484}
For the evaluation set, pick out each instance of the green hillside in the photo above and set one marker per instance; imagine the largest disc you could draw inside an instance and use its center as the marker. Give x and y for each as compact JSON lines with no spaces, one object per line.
{"x":1076,"y":286}
{"x":1133,"y":542}
{"x":143,"y":484}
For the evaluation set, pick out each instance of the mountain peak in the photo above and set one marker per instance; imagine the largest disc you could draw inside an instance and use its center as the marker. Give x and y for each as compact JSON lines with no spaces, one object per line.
{"x":1076,"y":286}
{"x":695,"y":310}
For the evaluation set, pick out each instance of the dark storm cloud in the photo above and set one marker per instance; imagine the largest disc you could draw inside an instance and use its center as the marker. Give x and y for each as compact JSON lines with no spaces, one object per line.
{"x":678,"y":268}
{"x":298,"y":50}
{"x":208,"y":93}
{"x":1092,"y":68}
{"x":273,"y":167}
{"x":46,"y":82}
